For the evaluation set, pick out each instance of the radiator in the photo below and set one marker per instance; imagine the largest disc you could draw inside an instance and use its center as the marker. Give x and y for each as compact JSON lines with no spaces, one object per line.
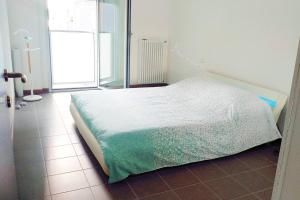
{"x":152,"y":61}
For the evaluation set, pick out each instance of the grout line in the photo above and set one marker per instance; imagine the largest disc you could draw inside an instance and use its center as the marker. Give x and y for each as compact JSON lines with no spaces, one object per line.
{"x":71,"y":191}
{"x":69,"y":172}
{"x":239,"y":197}
{"x":171,"y":189}
{"x":64,"y":145}
{"x":86,"y":178}
{"x":266,"y":177}
{"x":61,"y":158}
{"x":236,"y":181}
{"x":55,"y":134}
{"x":94,"y":197}
{"x":163,"y":180}
{"x":253,"y":193}
{"x":152,"y":195}
{"x":215,"y":179}
{"x":132,"y":190}
{"x":244,"y":162}
{"x":186,"y":186}
{"x":90,"y":188}
{"x":235,"y":174}
{"x":203,"y":183}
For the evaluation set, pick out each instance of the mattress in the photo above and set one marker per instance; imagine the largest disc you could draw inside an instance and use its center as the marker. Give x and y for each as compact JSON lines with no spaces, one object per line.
{"x":89,"y":138}
{"x":141,"y":130}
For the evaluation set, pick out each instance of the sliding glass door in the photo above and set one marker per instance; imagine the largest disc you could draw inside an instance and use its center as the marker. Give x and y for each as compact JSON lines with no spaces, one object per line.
{"x":112,"y":40}
{"x":88,"y":42}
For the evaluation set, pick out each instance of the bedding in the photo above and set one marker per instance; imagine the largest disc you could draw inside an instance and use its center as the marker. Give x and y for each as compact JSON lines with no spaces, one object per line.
{"x":141,"y":130}
{"x":279,"y":97}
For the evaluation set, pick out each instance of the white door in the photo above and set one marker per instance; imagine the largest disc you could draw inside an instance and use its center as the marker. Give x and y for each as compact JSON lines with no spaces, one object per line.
{"x":88,"y":43}
{"x":8,"y":188}
{"x":112,"y":43}
{"x":287,"y":182}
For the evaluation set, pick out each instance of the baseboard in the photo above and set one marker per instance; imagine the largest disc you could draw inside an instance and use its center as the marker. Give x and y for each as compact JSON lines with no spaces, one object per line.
{"x":148,"y":85}
{"x":36,"y":91}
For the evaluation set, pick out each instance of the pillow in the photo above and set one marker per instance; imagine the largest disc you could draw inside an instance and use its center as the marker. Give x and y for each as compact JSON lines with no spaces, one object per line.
{"x":270,"y":102}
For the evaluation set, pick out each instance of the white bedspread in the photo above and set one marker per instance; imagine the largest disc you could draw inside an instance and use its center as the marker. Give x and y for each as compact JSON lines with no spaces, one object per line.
{"x":197,"y":119}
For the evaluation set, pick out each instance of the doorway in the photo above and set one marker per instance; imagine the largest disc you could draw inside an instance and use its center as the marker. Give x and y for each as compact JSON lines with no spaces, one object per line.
{"x":88,"y":40}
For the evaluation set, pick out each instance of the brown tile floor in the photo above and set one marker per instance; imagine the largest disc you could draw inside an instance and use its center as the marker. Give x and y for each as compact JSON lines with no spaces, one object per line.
{"x":53,"y":162}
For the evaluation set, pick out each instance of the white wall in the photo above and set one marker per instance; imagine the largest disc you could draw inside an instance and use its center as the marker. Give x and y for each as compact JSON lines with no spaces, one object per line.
{"x":252,"y":40}
{"x":32,"y":15}
{"x":150,"y":19}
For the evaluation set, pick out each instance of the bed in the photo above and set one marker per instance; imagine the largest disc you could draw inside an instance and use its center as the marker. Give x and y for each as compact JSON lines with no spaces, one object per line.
{"x":132,"y":131}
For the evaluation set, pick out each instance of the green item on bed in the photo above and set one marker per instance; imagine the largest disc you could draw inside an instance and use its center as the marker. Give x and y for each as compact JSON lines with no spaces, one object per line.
{"x":270,"y":102}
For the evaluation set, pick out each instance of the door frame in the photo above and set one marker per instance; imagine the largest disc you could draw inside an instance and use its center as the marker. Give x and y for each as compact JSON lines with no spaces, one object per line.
{"x":127,"y":48}
{"x":285,"y":182}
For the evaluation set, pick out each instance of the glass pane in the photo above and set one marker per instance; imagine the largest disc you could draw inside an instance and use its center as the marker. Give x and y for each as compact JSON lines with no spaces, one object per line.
{"x":112,"y":26}
{"x":108,"y":17}
{"x":77,"y":53}
{"x":73,"y":57}
{"x":106,"y":59}
{"x":76,"y":15}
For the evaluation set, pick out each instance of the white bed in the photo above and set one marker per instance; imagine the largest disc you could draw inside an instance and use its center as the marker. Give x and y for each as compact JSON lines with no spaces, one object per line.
{"x":260,"y":91}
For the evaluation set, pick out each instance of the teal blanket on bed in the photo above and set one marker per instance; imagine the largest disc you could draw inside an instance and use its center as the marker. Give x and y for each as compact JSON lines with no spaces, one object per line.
{"x":141,"y":130}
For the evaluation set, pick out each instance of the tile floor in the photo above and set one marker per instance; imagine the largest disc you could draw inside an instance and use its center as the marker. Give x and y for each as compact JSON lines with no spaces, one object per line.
{"x":53,"y":162}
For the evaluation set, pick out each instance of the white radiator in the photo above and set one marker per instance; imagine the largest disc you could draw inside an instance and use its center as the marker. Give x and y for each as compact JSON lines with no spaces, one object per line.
{"x":152,"y":61}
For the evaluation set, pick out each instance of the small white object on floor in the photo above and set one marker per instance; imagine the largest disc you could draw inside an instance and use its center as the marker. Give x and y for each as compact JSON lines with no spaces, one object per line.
{"x":31,"y":98}
{"x":23,"y":104}
{"x":18,"y":107}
